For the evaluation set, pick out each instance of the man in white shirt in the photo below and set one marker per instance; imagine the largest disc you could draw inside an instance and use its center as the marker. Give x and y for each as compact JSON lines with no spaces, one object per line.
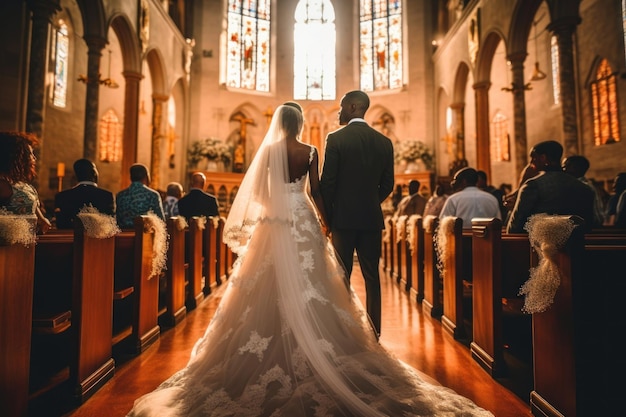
{"x":469,"y":201}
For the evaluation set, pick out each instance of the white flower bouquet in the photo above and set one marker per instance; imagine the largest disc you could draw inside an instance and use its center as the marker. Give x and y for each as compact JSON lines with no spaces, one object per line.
{"x":412,"y":150}
{"x":210,"y":148}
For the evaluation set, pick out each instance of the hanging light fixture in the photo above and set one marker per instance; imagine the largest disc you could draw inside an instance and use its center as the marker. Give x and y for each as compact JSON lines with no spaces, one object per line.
{"x":107,"y":82}
{"x":537,"y":73}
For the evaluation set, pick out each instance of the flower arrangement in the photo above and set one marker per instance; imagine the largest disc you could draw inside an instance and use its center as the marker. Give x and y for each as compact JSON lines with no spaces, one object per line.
{"x":411,"y":150}
{"x":211,"y":148}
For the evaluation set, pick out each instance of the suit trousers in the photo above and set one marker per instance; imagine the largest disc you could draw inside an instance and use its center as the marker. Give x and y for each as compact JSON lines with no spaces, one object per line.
{"x":367,"y":244}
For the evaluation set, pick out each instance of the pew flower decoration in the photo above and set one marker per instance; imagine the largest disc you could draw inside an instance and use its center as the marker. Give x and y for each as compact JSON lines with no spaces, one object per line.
{"x":401,"y":228}
{"x":16,"y":229}
{"x":387,"y":229}
{"x":181,"y":223}
{"x":210,"y":148}
{"x":411,"y":150}
{"x":411,"y":231}
{"x":97,"y":225}
{"x":547,"y":235}
{"x":202,"y":222}
{"x":160,"y":244}
{"x":443,"y":235}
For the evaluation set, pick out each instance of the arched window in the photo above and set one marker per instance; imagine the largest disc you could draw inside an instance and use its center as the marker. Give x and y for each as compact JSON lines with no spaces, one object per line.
{"x":61,"y":59}
{"x":110,"y":136}
{"x":556,"y":80}
{"x":500,"y":140}
{"x":381,"y":44}
{"x":248,"y":58}
{"x":314,"y":51}
{"x":604,"y":102}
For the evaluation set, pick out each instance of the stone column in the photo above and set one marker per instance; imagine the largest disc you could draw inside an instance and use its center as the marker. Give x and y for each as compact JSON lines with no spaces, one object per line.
{"x":483,"y":159}
{"x":157,"y":136}
{"x":42,"y":11}
{"x":131,"y":113}
{"x":564,"y":29}
{"x":519,"y":110}
{"x":95,"y":44}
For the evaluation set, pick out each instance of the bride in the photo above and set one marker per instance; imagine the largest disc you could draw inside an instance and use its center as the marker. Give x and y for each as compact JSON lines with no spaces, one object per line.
{"x":290,"y":338}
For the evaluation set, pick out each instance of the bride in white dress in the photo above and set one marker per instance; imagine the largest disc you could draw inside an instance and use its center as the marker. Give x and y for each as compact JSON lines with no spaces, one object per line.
{"x":290,"y":338}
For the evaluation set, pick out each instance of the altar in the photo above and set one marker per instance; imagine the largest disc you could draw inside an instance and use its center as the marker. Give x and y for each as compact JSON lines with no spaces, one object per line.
{"x":223,"y":185}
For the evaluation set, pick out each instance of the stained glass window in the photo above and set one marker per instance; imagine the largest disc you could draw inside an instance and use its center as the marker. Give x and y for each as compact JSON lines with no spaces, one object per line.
{"x":604,"y":102}
{"x":248,"y":58}
{"x":381,"y":44}
{"x":556,"y":80}
{"x":61,"y":59}
{"x":314,"y":51}
{"x":110,"y":137}
{"x":500,"y":140}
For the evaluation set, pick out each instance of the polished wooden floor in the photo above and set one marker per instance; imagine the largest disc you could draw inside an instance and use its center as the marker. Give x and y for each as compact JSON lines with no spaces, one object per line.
{"x":413,"y":337}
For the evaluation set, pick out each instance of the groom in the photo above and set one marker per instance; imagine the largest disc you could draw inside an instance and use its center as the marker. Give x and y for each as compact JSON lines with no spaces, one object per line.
{"x":356,"y":178}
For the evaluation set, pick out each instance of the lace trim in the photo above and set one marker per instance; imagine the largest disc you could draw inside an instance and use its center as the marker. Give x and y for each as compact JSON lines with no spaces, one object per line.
{"x":256,"y":345}
{"x":547,"y":234}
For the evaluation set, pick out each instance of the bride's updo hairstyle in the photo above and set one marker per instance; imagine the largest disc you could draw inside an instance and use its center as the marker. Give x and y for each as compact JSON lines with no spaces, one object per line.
{"x":292,"y":120}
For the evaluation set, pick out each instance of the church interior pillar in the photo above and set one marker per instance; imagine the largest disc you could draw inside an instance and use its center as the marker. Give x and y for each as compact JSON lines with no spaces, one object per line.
{"x":483,"y":159}
{"x":519,"y":110}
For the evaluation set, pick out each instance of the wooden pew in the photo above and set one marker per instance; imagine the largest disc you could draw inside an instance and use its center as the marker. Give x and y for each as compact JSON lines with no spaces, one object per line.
{"x":433,"y":291}
{"x":224,"y":255}
{"x":578,"y":357}
{"x":401,"y":268}
{"x":500,"y":267}
{"x":416,"y":253}
{"x":74,"y":273}
{"x":453,"y":273}
{"x":17,"y":269}
{"x":193,"y":262}
{"x":211,"y":265}
{"x":174,"y":309}
{"x":384,"y":255}
{"x":391,"y":226}
{"x":136,"y":290}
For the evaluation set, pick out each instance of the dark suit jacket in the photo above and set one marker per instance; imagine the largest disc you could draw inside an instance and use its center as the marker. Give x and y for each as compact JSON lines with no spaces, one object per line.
{"x":68,"y":203}
{"x":553,"y":192}
{"x":198,"y":203}
{"x":357,"y":176}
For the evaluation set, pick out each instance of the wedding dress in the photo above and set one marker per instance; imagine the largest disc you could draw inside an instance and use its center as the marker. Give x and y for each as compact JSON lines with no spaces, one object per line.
{"x":290,"y":338}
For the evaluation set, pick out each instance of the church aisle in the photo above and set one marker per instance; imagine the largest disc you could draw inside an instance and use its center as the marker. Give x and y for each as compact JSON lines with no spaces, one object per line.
{"x":414,"y":338}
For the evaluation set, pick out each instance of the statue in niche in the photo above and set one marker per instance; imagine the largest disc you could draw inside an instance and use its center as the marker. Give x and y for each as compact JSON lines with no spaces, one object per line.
{"x":144,"y":24}
{"x":239,"y":156}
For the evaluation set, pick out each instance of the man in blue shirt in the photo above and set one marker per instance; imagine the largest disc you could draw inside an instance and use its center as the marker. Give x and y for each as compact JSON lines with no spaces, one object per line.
{"x":138,"y":199}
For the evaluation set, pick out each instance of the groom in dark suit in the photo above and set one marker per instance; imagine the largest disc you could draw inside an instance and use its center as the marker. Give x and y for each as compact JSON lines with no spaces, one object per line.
{"x":356,"y":178}
{"x":68,"y":203}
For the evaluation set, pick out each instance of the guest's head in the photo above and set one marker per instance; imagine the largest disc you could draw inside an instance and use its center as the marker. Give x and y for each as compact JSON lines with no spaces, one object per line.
{"x":414,"y":187}
{"x":17,"y":160}
{"x":464,"y":177}
{"x":546,"y":156}
{"x":175,"y":189}
{"x":575,"y":165}
{"x":139,"y":173}
{"x":353,"y":105}
{"x":197,"y":180}
{"x":85,"y":170}
{"x":619,"y":183}
{"x":482,"y":180}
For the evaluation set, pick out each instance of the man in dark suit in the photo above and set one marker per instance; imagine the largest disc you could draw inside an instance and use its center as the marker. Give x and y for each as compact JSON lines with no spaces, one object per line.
{"x":68,"y":203}
{"x":356,"y":178}
{"x":552,"y":191}
{"x":198,"y":202}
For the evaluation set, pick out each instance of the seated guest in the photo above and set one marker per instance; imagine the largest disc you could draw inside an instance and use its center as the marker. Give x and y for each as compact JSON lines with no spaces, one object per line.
{"x":435,"y":202}
{"x":619,"y":186}
{"x":138,"y":199}
{"x":170,"y":205}
{"x":577,"y":166}
{"x":17,"y":171}
{"x":198,"y":202}
{"x":552,"y":191}
{"x":484,"y":185}
{"x":413,"y":203}
{"x":468,"y":201}
{"x":68,"y":203}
